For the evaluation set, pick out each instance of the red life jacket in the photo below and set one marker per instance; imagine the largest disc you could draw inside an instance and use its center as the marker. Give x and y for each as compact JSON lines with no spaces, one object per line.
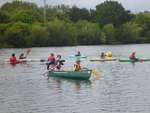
{"x":13,"y":60}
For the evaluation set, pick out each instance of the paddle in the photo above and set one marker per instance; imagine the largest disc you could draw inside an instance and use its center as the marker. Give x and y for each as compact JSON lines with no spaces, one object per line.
{"x":45,"y":73}
{"x":27,"y":52}
{"x":141,"y":60}
{"x":95,"y":73}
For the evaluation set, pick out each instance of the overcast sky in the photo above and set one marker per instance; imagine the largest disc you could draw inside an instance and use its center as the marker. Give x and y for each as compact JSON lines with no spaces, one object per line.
{"x":133,"y":5}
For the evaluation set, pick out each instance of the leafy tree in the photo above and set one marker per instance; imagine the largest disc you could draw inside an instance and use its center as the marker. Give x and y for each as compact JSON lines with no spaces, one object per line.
{"x":110,"y":33}
{"x":61,"y":33}
{"x":16,"y":35}
{"x":143,"y":19}
{"x":111,"y":12}
{"x":4,"y":18}
{"x":89,"y":33}
{"x":59,"y":13}
{"x":92,"y":15}
{"x":131,"y":33}
{"x":27,"y":16}
{"x":22,"y":25}
{"x":16,"y":6}
{"x":39,"y":36}
{"x":76,"y":14}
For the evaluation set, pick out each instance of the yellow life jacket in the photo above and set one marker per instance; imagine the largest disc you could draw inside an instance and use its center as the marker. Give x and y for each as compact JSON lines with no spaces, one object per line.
{"x":108,"y":54}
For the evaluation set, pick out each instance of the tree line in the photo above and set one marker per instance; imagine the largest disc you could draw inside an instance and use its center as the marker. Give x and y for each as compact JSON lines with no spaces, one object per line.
{"x":22,"y":24}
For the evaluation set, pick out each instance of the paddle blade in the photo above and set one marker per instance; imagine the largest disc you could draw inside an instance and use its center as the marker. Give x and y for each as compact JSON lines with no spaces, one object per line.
{"x":141,"y":60}
{"x":28,"y":50}
{"x":95,"y":73}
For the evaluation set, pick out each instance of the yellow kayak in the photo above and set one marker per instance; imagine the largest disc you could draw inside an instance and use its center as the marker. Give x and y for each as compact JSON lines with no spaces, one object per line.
{"x":102,"y":60}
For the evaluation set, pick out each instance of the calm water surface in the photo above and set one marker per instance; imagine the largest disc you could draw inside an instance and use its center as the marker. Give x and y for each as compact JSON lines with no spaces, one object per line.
{"x":121,"y":88}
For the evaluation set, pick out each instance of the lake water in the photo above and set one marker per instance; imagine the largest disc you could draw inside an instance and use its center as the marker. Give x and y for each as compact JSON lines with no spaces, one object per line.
{"x":121,"y":87}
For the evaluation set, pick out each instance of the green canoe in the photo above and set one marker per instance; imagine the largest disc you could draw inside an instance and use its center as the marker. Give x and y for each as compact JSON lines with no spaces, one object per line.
{"x":80,"y":75}
{"x":129,"y":60}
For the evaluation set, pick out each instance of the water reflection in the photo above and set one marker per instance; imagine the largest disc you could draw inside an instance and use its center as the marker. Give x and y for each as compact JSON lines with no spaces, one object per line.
{"x":61,"y":82}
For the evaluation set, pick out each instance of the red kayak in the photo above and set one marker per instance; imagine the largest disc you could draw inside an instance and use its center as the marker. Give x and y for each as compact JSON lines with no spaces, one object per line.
{"x":18,"y":62}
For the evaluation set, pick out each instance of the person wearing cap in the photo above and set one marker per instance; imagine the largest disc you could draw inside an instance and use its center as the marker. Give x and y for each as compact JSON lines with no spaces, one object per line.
{"x":22,"y":56}
{"x":102,"y":55}
{"x":77,"y":65}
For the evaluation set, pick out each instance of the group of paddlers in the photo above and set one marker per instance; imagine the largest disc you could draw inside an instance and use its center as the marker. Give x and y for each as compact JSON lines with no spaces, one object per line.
{"x":108,"y":55}
{"x":14,"y":60}
{"x":55,"y":63}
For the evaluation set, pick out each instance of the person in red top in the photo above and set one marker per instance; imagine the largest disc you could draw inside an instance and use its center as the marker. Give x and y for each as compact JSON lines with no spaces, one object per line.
{"x":13,"y":59}
{"x":133,"y":57}
{"x":51,"y":60}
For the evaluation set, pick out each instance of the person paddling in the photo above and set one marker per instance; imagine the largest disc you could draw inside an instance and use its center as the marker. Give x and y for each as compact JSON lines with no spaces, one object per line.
{"x":59,"y":62}
{"x":133,"y":57}
{"x":78,"y":53}
{"x":22,"y":56}
{"x":102,"y":55}
{"x":51,"y":61}
{"x":13,"y":59}
{"x":77,"y":65}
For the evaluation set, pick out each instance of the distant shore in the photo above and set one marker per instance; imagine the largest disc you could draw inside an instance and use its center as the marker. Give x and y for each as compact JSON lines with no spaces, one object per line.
{"x":24,"y":24}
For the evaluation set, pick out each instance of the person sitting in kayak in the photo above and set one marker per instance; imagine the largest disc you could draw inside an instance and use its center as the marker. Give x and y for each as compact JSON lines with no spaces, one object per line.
{"x":133,"y":57}
{"x":59,"y":62}
{"x":77,"y":65}
{"x":22,"y":56}
{"x":51,"y":61}
{"x":78,"y":53}
{"x":102,"y":55}
{"x":13,"y":59}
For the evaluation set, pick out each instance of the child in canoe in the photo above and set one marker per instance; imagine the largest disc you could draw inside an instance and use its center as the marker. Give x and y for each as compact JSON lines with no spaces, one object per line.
{"x":55,"y":63}
{"x":77,"y":65}
{"x":59,"y":62}
{"x":51,"y":61}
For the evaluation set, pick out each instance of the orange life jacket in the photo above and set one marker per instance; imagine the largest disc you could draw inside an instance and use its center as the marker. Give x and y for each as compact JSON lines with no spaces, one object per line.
{"x":77,"y":67}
